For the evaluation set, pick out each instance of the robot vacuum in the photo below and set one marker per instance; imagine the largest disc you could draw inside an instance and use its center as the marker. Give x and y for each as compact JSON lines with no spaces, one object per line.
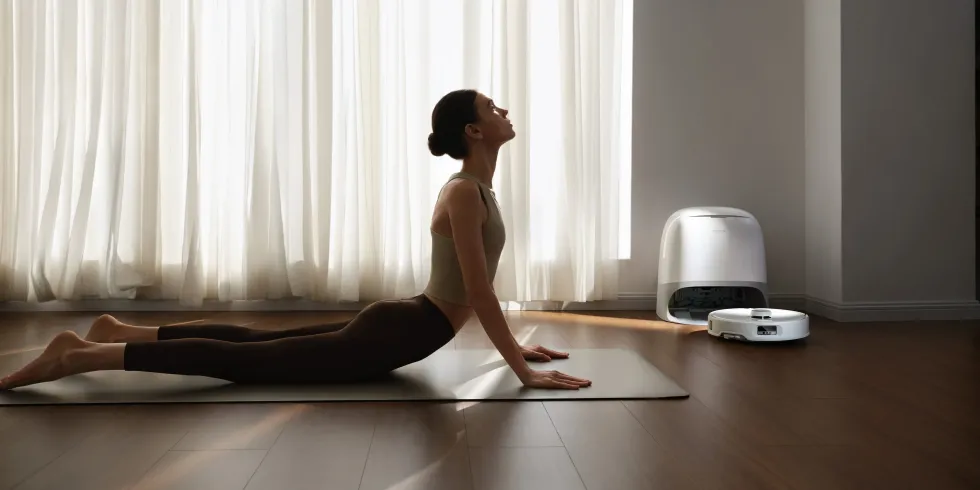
{"x":758,"y":324}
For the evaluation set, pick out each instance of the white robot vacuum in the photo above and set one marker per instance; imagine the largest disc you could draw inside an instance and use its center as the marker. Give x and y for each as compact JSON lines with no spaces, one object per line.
{"x":758,"y":324}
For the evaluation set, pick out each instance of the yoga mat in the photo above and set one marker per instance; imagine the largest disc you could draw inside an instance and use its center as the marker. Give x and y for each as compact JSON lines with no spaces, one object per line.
{"x":447,"y":375}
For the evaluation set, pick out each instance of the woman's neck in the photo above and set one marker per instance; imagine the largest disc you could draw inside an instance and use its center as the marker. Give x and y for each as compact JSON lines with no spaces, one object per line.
{"x":482,"y":164}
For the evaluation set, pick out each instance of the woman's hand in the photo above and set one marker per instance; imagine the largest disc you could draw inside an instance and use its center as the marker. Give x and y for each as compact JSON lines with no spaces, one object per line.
{"x":553,"y":379}
{"x":538,"y":353}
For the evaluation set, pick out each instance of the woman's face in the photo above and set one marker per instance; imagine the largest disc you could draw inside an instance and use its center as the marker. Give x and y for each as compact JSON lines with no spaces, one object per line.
{"x":493,"y":126}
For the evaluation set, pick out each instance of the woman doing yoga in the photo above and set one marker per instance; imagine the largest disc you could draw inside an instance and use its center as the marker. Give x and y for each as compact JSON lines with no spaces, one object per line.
{"x":467,"y":238}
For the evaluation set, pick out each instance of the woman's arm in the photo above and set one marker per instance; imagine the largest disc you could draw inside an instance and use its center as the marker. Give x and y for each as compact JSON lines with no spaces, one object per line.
{"x":466,"y":216}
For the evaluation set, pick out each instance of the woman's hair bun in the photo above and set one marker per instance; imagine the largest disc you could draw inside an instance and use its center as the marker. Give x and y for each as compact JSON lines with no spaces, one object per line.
{"x":451,"y":115}
{"x":436,"y":145}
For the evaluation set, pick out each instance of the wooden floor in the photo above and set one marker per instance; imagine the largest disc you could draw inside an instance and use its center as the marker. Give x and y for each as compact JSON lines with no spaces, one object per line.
{"x":864,"y":406}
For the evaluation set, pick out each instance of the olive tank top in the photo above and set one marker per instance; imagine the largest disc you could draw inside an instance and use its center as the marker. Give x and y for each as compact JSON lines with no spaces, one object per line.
{"x":446,"y":279}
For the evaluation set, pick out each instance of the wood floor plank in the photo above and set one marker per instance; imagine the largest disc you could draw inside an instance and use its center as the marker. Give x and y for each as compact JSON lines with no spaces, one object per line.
{"x":780,"y":371}
{"x":235,"y":426}
{"x":945,"y":404}
{"x":212,"y":469}
{"x":509,"y":424}
{"x":745,"y":410}
{"x":857,"y":467}
{"x":904,"y":426}
{"x":523,"y":468}
{"x":826,"y":421}
{"x":104,"y":461}
{"x":705,"y":446}
{"x":33,"y":437}
{"x":418,"y":446}
{"x":611,"y":450}
{"x":322,"y":446}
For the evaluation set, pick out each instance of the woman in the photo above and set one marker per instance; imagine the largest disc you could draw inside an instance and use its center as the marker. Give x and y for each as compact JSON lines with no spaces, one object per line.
{"x":467,"y":238}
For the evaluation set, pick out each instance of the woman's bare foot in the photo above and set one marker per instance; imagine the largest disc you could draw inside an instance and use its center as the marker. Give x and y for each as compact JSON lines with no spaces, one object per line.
{"x":107,"y":330}
{"x":58,"y":360}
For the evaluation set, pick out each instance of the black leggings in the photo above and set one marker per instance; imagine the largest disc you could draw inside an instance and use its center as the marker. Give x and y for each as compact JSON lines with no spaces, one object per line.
{"x":381,"y":338}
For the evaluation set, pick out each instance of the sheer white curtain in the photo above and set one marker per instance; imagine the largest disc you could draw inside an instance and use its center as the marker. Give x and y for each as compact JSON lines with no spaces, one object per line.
{"x":253,"y":149}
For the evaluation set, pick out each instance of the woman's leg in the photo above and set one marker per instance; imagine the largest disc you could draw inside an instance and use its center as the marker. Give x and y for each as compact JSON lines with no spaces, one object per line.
{"x":383,"y":337}
{"x":108,"y":330}
{"x":316,"y":358}
{"x":327,"y":357}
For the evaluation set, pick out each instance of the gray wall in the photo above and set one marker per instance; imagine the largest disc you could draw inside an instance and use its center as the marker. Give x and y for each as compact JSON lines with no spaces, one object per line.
{"x":908,"y":150}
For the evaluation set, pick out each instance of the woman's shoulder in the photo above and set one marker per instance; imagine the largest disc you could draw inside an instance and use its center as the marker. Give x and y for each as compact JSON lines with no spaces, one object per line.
{"x":464,"y":199}
{"x":462,"y":192}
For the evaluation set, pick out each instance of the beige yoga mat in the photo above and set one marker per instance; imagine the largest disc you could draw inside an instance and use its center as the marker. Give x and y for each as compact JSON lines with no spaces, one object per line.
{"x":447,"y":375}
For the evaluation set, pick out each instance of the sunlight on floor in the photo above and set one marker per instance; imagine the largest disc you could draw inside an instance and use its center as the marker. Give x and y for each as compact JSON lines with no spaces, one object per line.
{"x":167,"y":477}
{"x":483,"y":384}
{"x":593,"y":320}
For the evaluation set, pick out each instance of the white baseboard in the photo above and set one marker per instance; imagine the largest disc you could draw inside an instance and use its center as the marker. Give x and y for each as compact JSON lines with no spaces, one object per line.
{"x":852,"y":312}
